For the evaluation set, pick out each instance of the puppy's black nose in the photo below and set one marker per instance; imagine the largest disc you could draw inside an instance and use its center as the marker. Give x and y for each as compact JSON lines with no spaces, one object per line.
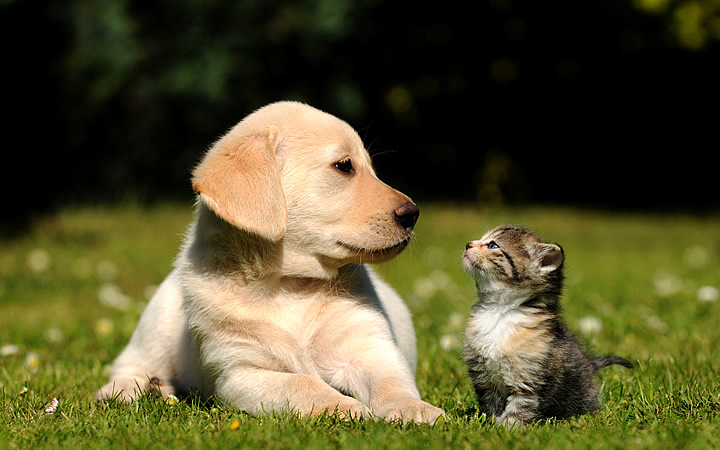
{"x":407,"y":215}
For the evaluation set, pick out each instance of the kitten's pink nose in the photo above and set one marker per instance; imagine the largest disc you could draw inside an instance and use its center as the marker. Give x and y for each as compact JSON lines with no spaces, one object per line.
{"x":470,"y":245}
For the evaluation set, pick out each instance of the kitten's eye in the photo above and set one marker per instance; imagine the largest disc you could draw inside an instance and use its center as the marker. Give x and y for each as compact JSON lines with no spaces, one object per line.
{"x":492,"y":245}
{"x":345,"y":166}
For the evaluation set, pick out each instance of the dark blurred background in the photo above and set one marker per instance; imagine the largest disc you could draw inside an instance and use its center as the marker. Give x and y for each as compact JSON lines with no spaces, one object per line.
{"x":598,"y":103}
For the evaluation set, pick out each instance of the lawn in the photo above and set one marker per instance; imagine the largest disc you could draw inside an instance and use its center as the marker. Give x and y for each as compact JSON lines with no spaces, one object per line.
{"x":638,"y":285}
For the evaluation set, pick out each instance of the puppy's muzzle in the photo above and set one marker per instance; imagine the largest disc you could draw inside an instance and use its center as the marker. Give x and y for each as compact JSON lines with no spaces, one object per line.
{"x":407,"y":215}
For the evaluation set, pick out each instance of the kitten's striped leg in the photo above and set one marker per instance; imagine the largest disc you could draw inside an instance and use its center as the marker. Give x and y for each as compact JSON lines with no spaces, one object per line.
{"x":490,"y":399}
{"x":521,"y":408}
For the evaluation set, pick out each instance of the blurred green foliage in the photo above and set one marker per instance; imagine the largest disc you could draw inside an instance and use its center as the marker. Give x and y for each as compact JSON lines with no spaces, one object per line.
{"x":644,"y":286}
{"x":694,"y":24}
{"x":118,"y":99}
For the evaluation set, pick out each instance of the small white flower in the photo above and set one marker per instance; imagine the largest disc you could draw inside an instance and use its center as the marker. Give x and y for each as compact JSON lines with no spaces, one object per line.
{"x":424,"y":288}
{"x":708,"y":294}
{"x":23,"y":390}
{"x":666,"y":285}
{"x":53,"y":407}
{"x":590,"y":325}
{"x":54,"y":335}
{"x":448,"y":342}
{"x":106,"y":270}
{"x":38,"y":260}
{"x":32,"y":361}
{"x":171,"y":400}
{"x":7,"y":350}
{"x":111,"y":295}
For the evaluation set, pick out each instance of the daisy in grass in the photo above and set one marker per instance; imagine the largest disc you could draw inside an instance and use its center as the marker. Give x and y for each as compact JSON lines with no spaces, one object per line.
{"x":590,"y":325}
{"x":7,"y":350}
{"x":50,"y":410}
{"x":708,"y":294}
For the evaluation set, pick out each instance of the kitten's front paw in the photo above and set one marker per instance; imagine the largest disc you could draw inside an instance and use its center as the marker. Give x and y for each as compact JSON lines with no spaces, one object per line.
{"x":508,"y":421}
{"x":411,"y":410}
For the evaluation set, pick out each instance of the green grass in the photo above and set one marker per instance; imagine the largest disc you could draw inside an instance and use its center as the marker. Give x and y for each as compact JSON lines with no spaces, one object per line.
{"x":636,"y":275}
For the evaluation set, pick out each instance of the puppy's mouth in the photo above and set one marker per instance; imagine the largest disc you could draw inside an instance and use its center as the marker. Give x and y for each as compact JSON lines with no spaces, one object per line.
{"x":381,"y":253}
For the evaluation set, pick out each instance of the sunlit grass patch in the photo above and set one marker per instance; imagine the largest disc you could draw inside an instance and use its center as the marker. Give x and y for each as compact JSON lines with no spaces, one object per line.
{"x":641,"y":286}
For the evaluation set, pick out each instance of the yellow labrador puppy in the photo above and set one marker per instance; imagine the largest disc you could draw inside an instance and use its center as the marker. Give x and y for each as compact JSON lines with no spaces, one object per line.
{"x":269,"y":306}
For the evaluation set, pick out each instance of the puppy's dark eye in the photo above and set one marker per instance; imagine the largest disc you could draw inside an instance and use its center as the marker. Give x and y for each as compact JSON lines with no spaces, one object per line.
{"x":492,"y":245}
{"x":344,"y":166}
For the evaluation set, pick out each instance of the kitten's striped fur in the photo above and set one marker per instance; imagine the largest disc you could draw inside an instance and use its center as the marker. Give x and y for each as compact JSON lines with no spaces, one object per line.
{"x":523,"y":361}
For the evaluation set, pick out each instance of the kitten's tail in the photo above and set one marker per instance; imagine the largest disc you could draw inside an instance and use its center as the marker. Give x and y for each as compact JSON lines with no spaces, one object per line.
{"x":599,"y":362}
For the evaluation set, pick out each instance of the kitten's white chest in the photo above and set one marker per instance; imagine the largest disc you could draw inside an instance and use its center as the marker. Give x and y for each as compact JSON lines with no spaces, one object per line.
{"x":504,"y":345}
{"x":488,"y":331}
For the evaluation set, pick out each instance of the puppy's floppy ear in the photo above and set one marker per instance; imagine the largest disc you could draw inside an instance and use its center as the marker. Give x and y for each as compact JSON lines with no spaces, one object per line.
{"x":239,"y":180}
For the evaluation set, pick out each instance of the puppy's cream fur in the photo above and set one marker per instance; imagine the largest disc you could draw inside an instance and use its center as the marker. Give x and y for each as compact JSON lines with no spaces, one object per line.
{"x":269,"y":306}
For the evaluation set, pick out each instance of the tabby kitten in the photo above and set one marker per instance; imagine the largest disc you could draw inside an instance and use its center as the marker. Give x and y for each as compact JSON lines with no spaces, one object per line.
{"x":524,"y":363}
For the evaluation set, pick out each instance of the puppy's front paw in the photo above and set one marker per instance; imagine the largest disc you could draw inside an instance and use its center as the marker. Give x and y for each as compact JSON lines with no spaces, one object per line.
{"x":411,"y":410}
{"x":128,"y":389}
{"x":347,"y":408}
{"x":124,"y":390}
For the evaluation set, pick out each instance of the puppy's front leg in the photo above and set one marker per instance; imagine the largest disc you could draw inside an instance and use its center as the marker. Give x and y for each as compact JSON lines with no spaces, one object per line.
{"x":395,"y":398}
{"x":386,"y":384}
{"x":260,"y":391}
{"x":371,"y":367}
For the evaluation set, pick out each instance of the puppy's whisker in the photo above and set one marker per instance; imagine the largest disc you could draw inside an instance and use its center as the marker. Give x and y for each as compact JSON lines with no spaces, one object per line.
{"x":369,"y":146}
{"x":382,"y":152}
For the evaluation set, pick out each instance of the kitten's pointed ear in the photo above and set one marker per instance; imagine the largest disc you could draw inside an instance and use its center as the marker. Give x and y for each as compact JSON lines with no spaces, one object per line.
{"x":239,"y":180}
{"x":551,"y":257}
